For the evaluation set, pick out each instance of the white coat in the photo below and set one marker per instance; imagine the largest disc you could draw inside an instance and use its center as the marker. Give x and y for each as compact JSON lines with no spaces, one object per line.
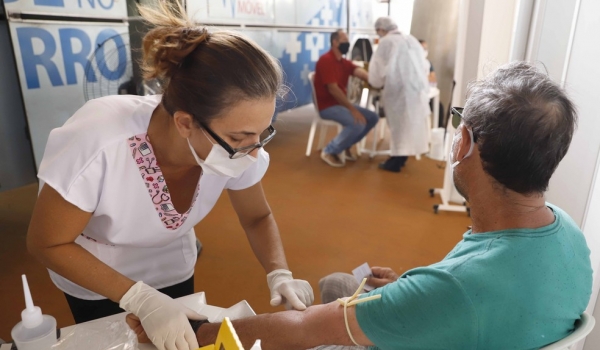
{"x":400,"y":67}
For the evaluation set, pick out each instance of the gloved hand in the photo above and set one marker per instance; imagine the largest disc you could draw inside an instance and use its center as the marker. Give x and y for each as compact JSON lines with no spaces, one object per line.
{"x":164,"y":319}
{"x":297,"y":294}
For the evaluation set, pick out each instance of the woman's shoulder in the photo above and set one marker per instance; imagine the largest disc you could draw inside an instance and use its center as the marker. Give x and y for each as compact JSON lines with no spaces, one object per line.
{"x":108,"y":118}
{"x":99,"y":124}
{"x":115,"y":111}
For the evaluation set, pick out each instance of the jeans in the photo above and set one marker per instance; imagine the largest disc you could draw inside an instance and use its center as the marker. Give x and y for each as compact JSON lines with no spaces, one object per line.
{"x":352,"y":131}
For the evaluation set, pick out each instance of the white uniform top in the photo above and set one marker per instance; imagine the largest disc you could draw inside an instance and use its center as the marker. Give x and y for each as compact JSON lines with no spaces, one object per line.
{"x":399,"y":65}
{"x":92,"y":162}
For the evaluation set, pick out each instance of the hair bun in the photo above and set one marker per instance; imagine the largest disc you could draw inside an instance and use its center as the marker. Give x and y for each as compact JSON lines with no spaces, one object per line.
{"x":174,"y":37}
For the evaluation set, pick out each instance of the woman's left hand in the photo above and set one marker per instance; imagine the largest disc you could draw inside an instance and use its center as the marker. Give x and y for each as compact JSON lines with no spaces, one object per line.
{"x":297,"y":294}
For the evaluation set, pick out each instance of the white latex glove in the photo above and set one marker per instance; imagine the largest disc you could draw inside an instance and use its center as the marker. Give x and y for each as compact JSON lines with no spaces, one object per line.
{"x":165,"y":320}
{"x":297,"y":294}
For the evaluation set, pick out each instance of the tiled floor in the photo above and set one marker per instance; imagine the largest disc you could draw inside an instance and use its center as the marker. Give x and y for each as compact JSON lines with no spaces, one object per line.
{"x":331,"y":219}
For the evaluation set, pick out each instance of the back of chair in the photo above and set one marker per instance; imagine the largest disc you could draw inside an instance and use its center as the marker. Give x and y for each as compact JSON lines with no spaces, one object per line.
{"x":311,"y":77}
{"x":583,"y":327}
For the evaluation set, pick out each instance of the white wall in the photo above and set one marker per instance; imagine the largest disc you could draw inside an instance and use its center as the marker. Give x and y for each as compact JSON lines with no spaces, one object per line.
{"x":401,"y":12}
{"x":575,"y":186}
{"x":572,"y":181}
{"x":436,"y":21}
{"x":485,"y":42}
{"x":496,"y":35}
{"x":592,"y":231}
{"x":485,"y":36}
{"x":468,"y":47}
{"x":521,"y":28}
{"x":555,"y":30}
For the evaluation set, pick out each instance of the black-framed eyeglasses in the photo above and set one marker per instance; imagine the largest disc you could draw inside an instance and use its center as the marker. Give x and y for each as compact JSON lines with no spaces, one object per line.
{"x":235,"y":153}
{"x":458,"y":117}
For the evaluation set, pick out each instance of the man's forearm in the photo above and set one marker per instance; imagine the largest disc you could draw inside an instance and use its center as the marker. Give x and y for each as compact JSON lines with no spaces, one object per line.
{"x":282,"y":330}
{"x":207,"y":333}
{"x":290,"y":330}
{"x":361,"y":73}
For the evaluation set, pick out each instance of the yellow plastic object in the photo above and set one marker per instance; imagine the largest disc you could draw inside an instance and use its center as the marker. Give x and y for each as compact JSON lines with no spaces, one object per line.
{"x":227,"y":339}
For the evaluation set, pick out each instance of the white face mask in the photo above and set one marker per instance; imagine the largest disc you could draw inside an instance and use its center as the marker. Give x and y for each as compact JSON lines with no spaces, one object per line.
{"x":218,"y":162}
{"x":426,"y":53}
{"x":455,"y":140}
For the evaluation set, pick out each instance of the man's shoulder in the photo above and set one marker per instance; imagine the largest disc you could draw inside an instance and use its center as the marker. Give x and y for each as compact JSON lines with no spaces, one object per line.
{"x":347,"y":61}
{"x":438,"y":275}
{"x":562,"y":215}
{"x":570,"y":231}
{"x":326,"y":57}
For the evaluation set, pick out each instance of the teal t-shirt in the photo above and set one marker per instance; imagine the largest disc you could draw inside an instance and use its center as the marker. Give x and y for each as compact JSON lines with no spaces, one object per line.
{"x":512,"y":289}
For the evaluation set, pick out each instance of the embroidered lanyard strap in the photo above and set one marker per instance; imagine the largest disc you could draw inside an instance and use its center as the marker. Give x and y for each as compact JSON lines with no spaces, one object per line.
{"x":353,"y":301}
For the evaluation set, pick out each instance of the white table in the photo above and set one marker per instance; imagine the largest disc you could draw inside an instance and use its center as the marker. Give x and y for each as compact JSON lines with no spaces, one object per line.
{"x":196,"y":302}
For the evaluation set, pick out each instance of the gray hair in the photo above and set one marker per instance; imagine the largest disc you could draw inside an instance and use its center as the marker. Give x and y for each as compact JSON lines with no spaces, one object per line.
{"x":523,"y":123}
{"x":385,"y":23}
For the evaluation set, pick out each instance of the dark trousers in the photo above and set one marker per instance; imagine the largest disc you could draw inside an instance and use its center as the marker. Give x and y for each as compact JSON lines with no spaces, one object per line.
{"x":87,"y":310}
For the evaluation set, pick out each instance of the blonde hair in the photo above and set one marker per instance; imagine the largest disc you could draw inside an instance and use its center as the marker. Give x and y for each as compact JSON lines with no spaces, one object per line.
{"x":203,"y":72}
{"x":174,"y":37}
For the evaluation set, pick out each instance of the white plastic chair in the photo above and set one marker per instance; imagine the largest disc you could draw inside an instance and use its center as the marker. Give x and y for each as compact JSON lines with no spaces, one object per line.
{"x":583,"y":327}
{"x":318,"y":121}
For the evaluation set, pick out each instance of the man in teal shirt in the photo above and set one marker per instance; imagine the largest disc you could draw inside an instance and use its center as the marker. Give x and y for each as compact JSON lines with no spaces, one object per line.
{"x":520,"y":277}
{"x":497,"y":289}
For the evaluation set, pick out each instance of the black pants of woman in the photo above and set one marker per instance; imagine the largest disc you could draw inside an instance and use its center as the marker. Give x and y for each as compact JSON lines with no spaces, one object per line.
{"x":87,"y":310}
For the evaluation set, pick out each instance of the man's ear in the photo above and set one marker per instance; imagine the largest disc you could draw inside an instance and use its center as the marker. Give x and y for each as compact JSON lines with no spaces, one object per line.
{"x":184,"y":122}
{"x":465,"y":143}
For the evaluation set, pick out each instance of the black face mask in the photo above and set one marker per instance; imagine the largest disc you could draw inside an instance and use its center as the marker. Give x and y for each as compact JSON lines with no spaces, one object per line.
{"x":344,"y":47}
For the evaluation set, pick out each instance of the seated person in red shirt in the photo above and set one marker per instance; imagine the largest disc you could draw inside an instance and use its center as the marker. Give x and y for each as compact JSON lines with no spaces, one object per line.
{"x":331,"y":78}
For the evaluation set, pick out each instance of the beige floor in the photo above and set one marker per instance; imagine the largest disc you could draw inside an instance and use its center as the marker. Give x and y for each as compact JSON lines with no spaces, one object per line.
{"x":330,"y":220}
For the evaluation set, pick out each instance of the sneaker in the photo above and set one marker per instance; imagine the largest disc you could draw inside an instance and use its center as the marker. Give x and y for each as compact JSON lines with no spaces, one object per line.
{"x":332,"y":159}
{"x":348,"y":155}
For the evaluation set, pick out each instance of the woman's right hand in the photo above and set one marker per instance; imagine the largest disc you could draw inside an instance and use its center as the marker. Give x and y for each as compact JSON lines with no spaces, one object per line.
{"x":164,"y":320}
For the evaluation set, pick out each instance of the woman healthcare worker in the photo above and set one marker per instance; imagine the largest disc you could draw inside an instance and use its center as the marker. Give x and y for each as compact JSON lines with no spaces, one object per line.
{"x":400,"y":67}
{"x":126,"y":178}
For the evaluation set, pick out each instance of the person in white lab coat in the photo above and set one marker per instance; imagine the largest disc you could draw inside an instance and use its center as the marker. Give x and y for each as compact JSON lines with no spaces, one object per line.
{"x":124,"y":181}
{"x":399,"y":66}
